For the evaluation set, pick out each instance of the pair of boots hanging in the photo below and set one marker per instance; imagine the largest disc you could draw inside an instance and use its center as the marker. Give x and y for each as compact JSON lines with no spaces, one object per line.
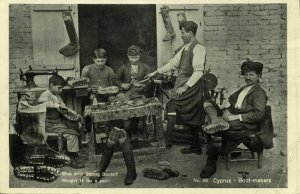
{"x":73,"y":47}
{"x":168,"y":23}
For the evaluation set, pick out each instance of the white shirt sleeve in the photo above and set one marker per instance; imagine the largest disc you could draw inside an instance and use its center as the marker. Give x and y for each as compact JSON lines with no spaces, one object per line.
{"x":46,"y":97}
{"x":199,"y":52}
{"x":173,"y":63}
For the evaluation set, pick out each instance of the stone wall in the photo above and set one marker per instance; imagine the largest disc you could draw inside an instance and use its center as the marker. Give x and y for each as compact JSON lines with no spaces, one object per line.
{"x":20,"y":49}
{"x":233,"y":33}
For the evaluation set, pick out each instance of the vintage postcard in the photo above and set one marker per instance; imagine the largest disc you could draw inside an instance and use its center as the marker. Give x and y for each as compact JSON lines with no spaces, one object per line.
{"x":188,"y":97}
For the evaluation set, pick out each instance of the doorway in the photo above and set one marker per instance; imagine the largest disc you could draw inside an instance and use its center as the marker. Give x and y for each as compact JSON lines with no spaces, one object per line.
{"x":115,"y":28}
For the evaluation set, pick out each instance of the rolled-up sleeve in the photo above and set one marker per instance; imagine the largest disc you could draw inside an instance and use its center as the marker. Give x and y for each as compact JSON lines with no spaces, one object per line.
{"x":199,"y":52}
{"x":173,"y":64}
{"x":85,"y":73}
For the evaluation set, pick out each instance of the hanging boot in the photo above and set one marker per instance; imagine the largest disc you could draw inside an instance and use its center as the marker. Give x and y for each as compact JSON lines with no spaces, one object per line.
{"x":73,"y":47}
{"x":128,"y":158}
{"x":181,"y":18}
{"x":216,"y":123}
{"x":168,"y":24}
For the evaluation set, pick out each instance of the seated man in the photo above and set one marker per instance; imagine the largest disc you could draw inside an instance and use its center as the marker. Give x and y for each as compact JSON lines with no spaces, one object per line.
{"x":54,"y":122}
{"x":98,"y":75}
{"x":246,"y":111}
{"x":127,"y":78}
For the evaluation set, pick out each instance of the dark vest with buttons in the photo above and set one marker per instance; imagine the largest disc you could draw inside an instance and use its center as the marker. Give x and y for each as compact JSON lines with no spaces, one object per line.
{"x":185,"y":69}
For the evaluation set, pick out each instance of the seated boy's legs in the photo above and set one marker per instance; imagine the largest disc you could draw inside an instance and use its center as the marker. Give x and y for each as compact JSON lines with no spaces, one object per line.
{"x":72,"y":150}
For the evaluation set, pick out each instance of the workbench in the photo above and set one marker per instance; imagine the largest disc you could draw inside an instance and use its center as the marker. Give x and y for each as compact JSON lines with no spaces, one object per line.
{"x":152,"y":108}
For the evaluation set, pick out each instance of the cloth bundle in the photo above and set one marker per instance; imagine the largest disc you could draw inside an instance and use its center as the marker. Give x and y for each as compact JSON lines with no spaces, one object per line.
{"x":31,"y":122}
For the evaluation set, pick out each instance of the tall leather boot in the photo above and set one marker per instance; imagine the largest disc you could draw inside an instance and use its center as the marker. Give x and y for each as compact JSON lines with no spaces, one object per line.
{"x":168,"y":24}
{"x":170,"y":126}
{"x":103,"y":164}
{"x":73,"y":47}
{"x":128,"y":158}
{"x":211,"y":162}
{"x":216,"y":123}
{"x":107,"y":154}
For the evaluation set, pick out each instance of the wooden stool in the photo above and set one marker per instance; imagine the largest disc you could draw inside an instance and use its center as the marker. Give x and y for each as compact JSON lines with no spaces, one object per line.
{"x":228,"y":158}
{"x":59,"y":137}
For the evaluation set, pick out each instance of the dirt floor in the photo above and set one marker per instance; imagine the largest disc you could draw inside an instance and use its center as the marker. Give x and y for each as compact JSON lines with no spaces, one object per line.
{"x":272,"y":175}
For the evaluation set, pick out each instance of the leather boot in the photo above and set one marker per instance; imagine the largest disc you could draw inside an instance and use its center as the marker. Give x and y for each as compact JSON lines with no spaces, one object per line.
{"x":211,"y":162}
{"x":73,"y":47}
{"x":129,"y":161}
{"x":168,"y":23}
{"x":195,"y":146}
{"x":103,"y":163}
{"x":216,"y":123}
{"x":170,"y":125}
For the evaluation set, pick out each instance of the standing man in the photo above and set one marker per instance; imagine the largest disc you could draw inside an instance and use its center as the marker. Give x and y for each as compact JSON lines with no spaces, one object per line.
{"x":244,"y":115}
{"x":187,"y":102}
{"x":98,"y":74}
{"x":127,"y":77}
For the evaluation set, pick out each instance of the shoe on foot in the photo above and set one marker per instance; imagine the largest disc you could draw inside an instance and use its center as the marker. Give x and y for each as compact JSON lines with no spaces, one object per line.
{"x":76,"y":164}
{"x":191,"y":150}
{"x":129,"y":179}
{"x":96,"y":177}
{"x":207,"y":172}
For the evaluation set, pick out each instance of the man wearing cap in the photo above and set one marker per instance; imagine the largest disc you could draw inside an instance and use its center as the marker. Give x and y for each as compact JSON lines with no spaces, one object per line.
{"x":127,"y":78}
{"x":246,"y":111}
{"x":186,"y":104}
{"x":98,"y":74}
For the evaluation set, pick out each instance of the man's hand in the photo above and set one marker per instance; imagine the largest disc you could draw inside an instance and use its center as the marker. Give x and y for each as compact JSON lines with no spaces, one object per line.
{"x":61,"y":108}
{"x":150,"y":75}
{"x":231,"y":117}
{"x":125,"y":86}
{"x":225,"y":113}
{"x":138,"y":85}
{"x":181,"y":90}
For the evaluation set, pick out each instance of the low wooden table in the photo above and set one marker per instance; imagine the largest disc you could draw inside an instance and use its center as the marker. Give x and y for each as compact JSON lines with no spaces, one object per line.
{"x":152,"y":108}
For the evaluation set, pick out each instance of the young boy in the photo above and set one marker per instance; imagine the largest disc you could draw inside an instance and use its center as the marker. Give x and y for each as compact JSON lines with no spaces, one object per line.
{"x":98,"y":74}
{"x":54,"y":122}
